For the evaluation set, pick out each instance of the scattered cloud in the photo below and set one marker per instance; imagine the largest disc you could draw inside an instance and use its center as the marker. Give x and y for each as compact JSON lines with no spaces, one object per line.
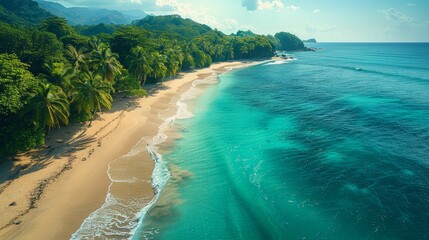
{"x":202,"y":16}
{"x":396,"y":17}
{"x":232,"y":26}
{"x":253,"y":5}
{"x":411,"y":5}
{"x":320,"y":28}
{"x":275,"y":4}
{"x":399,"y":24}
{"x":316,"y":11}
{"x":293,"y":8}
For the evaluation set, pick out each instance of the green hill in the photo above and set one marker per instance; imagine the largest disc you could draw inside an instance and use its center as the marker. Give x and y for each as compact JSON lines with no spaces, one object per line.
{"x":173,"y":25}
{"x":288,"y":42}
{"x":22,"y":12}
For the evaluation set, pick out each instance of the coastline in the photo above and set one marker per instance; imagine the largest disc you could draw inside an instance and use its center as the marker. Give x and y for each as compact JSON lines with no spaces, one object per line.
{"x":59,"y":187}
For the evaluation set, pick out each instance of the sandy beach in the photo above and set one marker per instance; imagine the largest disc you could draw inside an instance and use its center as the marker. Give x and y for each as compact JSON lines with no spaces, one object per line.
{"x":47,"y":193}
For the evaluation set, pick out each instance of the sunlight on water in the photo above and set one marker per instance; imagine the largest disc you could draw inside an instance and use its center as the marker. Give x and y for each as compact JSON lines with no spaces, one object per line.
{"x":334,"y":145}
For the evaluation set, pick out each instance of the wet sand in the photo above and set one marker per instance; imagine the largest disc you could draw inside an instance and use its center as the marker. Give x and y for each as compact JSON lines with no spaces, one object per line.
{"x":48,"y":193}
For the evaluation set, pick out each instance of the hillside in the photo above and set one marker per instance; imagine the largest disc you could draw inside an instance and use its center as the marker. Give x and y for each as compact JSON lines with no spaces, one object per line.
{"x":91,"y":16}
{"x":289,"y":42}
{"x":22,"y":12}
{"x":173,"y":25}
{"x":41,"y":53}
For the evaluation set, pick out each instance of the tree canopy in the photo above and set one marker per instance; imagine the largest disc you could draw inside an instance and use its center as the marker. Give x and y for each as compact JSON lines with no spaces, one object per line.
{"x":22,"y":12}
{"x":52,"y":73}
{"x":172,"y":26}
{"x":288,"y":41}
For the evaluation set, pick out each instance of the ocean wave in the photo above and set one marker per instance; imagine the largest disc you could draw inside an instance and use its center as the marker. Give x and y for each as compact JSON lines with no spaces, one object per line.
{"x":286,"y":61}
{"x":118,"y":217}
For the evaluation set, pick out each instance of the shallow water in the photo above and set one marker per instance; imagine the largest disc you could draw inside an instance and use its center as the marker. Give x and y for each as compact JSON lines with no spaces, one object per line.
{"x":334,"y":145}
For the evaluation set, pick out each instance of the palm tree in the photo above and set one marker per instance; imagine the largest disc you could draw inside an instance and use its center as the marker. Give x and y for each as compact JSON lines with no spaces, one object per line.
{"x":174,"y":60}
{"x":60,"y":74}
{"x":188,"y":60}
{"x":158,"y":65}
{"x":95,"y":44}
{"x":91,"y":94}
{"x":49,"y":105}
{"x":173,"y":67}
{"x":105,"y":62}
{"x":139,"y":64}
{"x":78,"y":58}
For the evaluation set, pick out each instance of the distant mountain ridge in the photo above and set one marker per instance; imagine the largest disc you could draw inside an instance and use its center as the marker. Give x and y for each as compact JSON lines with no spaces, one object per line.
{"x":91,"y":16}
{"x":311,"y":40}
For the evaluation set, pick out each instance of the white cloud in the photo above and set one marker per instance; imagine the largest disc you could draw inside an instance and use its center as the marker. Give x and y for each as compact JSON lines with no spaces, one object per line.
{"x":316,"y":11}
{"x":401,"y":25}
{"x":252,"y":5}
{"x":396,"y":17}
{"x":270,"y":4}
{"x":293,"y":8}
{"x":411,"y":4}
{"x":202,"y":16}
{"x":231,"y":26}
{"x":399,"y":22}
{"x":320,"y":28}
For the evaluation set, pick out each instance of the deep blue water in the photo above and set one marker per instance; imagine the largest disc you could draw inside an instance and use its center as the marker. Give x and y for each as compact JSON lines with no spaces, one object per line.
{"x":334,"y":145}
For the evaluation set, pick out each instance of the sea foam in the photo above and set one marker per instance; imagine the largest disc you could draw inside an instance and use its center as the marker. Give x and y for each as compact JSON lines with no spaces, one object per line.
{"x":281,"y":62}
{"x":119,"y":218}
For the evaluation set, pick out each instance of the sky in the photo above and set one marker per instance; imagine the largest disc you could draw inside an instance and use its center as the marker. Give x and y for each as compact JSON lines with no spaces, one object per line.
{"x":325,"y":20}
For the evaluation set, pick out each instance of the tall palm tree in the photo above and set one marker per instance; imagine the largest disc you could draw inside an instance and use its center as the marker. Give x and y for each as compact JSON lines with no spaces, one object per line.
{"x":106,"y":63}
{"x":174,"y":60}
{"x":91,"y":94}
{"x":158,"y":65}
{"x":188,"y":60}
{"x":60,"y":74}
{"x":173,"y":67}
{"x":49,"y":105}
{"x":139,"y":64}
{"x":78,"y":58}
{"x":95,"y":44}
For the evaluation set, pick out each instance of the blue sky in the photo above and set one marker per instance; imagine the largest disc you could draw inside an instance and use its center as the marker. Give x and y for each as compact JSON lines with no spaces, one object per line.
{"x":325,"y":20}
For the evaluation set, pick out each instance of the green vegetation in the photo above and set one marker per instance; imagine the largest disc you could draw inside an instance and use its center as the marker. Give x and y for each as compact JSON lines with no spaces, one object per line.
{"x":49,"y":105}
{"x":173,"y":26}
{"x":16,"y":84}
{"x":52,"y":73}
{"x":288,"y":42}
{"x":21,"y":12}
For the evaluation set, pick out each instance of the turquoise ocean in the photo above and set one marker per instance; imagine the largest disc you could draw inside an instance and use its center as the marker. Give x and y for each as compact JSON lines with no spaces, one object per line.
{"x":331,"y":145}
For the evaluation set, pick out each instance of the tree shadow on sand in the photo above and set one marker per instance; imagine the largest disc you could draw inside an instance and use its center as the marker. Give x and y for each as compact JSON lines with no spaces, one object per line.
{"x":43,"y":156}
{"x":153,"y":89}
{"x":60,"y":143}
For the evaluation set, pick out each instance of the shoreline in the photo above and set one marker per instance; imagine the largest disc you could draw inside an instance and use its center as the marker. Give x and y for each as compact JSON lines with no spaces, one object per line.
{"x":60,"y":186}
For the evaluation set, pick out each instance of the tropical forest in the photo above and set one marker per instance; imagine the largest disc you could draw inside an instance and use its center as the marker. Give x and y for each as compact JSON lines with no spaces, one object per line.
{"x":53,"y":73}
